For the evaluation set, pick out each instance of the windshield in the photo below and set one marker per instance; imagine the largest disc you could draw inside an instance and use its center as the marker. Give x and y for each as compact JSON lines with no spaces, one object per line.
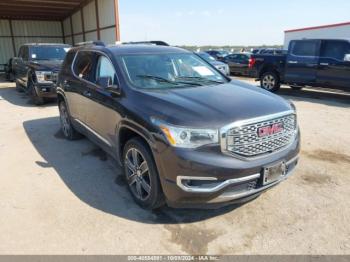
{"x":48,"y":52}
{"x":169,"y":70}
{"x":224,"y":53}
{"x":207,"y":57}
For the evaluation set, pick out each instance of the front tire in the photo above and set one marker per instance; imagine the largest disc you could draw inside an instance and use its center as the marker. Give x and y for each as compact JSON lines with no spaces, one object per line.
{"x":270,"y":81}
{"x":36,"y":99}
{"x":142,"y":175}
{"x":66,"y":124}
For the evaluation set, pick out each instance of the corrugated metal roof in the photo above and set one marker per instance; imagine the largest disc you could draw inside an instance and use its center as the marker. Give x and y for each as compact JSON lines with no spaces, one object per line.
{"x":317,"y":27}
{"x":39,"y":9}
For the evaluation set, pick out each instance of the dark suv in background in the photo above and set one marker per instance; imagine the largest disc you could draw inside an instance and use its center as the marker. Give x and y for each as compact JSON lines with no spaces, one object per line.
{"x":218,"y":54}
{"x":183,"y":132}
{"x":36,"y":68}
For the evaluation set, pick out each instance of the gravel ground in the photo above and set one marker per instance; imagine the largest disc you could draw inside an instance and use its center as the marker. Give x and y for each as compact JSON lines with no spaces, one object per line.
{"x":61,"y":197}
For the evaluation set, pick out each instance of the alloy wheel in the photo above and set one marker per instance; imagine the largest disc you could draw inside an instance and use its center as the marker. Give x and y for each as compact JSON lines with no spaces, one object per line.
{"x":138,"y":176}
{"x":64,"y":120}
{"x":269,"y":82}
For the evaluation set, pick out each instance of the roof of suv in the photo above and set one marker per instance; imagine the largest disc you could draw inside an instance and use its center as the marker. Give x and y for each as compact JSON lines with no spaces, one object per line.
{"x":136,"y":49}
{"x":45,"y":44}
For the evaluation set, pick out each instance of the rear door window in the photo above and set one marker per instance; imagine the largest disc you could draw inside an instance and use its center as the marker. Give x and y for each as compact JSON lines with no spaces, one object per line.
{"x":83,"y":65}
{"x":335,"y":49}
{"x":305,"y":48}
{"x":233,"y":58}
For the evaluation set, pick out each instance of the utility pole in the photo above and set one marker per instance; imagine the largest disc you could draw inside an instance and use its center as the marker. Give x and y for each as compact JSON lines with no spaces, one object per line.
{"x":117,"y":27}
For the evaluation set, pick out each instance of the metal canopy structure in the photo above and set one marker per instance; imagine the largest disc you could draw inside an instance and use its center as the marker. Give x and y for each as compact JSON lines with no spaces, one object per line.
{"x":56,"y":21}
{"x":39,"y":9}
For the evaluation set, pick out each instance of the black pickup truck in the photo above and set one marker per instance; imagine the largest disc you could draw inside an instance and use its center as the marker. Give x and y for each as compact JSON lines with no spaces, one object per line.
{"x":35,"y":70}
{"x":310,"y":62}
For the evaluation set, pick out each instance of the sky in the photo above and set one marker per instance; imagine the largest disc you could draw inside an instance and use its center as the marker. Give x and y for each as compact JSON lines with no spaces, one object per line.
{"x":224,"y":22}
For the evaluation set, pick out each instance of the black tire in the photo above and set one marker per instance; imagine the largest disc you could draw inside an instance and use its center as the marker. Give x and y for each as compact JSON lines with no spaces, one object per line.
{"x":67,"y":128}
{"x":144,"y":185}
{"x":296,"y":87}
{"x":35,"y":98}
{"x":270,"y":81}
{"x":19,"y":87}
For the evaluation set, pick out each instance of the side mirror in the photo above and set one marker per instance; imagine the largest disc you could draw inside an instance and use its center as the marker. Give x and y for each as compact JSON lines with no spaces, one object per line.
{"x":104,"y":81}
{"x":347,"y":58}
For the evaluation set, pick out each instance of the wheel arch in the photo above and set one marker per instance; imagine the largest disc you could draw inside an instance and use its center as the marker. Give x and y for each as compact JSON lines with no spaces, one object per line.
{"x":269,"y":68}
{"x":126,"y":131}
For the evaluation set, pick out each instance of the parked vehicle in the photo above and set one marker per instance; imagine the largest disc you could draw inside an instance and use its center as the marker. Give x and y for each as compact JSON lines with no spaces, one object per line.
{"x":321,"y":63}
{"x":36,"y":69}
{"x":183,"y":133}
{"x":224,"y":68}
{"x":239,"y":63}
{"x":218,"y":54}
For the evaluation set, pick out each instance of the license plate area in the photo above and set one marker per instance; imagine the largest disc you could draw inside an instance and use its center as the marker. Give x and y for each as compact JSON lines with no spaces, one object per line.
{"x":273,"y":173}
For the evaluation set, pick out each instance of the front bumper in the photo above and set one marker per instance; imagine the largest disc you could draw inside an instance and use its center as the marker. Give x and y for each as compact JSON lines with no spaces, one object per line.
{"x":207,"y":178}
{"x":47,"y":90}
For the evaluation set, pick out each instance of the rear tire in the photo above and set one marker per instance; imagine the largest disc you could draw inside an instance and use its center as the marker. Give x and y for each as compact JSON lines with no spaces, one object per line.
{"x":270,"y":81}
{"x":142,"y":175}
{"x":66,"y":124}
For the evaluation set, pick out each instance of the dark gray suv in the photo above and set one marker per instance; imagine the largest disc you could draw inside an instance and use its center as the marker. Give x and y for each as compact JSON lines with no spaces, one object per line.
{"x":184,"y":133}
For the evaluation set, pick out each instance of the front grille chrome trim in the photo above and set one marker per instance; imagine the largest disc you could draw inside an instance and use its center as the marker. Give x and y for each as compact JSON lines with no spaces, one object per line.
{"x":225,"y":130}
{"x":220,"y":186}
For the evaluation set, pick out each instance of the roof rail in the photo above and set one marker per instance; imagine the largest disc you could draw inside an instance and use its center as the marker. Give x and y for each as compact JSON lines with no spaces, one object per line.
{"x":91,"y":43}
{"x":162,"y":43}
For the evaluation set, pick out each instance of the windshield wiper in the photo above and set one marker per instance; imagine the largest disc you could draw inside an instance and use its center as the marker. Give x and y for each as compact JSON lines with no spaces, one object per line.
{"x":200,"y":79}
{"x":164,"y":80}
{"x":157,"y":78}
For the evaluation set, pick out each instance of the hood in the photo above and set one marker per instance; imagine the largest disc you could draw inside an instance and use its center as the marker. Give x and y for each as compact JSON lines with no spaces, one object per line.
{"x":211,"y":106}
{"x":46,"y":65}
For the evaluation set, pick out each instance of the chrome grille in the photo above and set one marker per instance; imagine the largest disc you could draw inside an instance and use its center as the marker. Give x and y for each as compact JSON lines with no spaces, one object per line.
{"x":243,"y":140}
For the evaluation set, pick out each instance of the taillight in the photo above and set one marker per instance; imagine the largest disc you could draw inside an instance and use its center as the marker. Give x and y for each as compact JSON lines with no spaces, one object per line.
{"x":252,"y":62}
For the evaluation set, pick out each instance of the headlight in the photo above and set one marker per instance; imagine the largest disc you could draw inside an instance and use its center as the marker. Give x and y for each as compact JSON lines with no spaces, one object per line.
{"x":185,"y":137}
{"x":43,"y":76}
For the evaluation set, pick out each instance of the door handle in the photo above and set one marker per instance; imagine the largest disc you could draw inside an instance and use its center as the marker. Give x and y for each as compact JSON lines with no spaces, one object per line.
{"x":324,"y":64}
{"x":87,"y":93}
{"x":292,"y":62}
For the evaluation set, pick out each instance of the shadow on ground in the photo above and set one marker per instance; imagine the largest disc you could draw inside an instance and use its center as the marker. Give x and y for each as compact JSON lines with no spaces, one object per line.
{"x":96,"y":179}
{"x":20,"y":99}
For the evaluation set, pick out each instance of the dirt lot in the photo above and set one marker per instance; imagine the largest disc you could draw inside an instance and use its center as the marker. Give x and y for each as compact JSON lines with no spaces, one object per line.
{"x":61,"y":197}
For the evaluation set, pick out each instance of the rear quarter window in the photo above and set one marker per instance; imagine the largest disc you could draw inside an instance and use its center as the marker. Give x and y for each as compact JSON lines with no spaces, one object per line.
{"x":67,"y":64}
{"x":304,"y":48}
